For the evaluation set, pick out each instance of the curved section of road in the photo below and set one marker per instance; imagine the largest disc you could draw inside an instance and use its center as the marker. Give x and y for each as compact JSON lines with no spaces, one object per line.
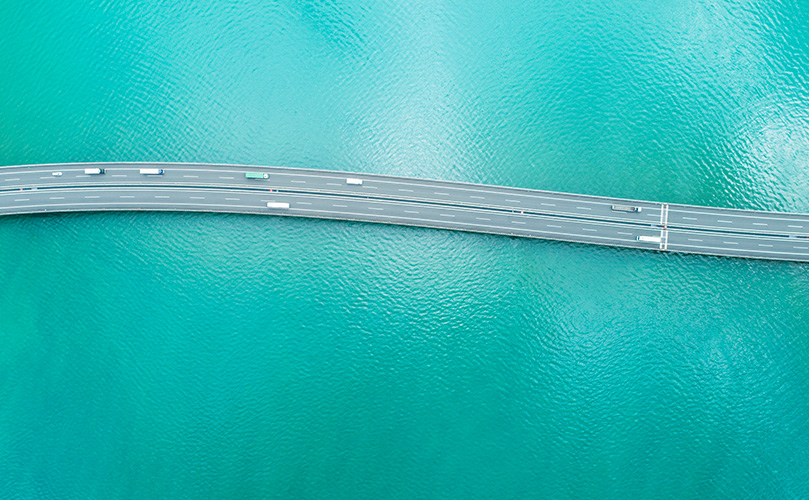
{"x":406,"y":201}
{"x":324,"y":181}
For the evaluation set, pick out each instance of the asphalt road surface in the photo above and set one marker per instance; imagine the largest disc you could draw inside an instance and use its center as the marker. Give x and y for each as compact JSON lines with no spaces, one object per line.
{"x":406,"y":201}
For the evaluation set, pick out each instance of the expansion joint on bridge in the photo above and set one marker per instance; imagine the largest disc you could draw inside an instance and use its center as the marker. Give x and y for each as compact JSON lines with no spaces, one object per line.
{"x":664,"y":239}
{"x":664,"y":215}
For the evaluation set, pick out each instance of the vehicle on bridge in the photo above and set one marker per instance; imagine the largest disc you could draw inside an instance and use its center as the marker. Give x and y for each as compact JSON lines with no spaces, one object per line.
{"x":354,"y":182}
{"x":277,"y":204}
{"x":257,"y":175}
{"x":626,"y":208}
{"x":93,"y":171}
{"x":151,"y":171}
{"x":650,"y":239}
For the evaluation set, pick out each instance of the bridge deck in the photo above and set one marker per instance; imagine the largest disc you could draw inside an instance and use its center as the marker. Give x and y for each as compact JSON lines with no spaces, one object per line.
{"x":406,"y":201}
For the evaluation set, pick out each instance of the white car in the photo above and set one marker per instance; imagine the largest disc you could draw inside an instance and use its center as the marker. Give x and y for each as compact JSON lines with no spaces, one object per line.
{"x":56,"y":174}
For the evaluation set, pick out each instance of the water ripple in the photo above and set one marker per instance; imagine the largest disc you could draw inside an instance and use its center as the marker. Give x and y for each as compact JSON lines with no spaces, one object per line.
{"x":191,"y":355}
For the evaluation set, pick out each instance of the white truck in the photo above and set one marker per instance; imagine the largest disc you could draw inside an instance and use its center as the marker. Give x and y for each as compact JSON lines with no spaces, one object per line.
{"x":93,"y":171}
{"x":277,"y":204}
{"x":626,"y":208}
{"x":151,"y":171}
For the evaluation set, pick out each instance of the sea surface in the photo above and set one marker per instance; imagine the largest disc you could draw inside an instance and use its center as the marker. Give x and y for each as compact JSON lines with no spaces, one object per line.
{"x":216,"y":356}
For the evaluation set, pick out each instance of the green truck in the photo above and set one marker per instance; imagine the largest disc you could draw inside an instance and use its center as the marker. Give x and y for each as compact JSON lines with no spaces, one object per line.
{"x":257,"y":175}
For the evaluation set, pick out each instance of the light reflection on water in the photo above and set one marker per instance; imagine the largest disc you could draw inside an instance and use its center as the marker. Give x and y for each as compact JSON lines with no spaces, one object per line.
{"x":190,"y":355}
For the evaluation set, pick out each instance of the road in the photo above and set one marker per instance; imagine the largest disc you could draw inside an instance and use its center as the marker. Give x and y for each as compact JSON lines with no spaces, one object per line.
{"x":406,"y":201}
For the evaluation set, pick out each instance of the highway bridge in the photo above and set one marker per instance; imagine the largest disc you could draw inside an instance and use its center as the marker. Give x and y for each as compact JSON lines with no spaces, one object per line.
{"x":280,"y":191}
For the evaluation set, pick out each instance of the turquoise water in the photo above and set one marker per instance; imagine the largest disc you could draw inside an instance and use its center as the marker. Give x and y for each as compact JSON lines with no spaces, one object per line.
{"x":221,"y":356}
